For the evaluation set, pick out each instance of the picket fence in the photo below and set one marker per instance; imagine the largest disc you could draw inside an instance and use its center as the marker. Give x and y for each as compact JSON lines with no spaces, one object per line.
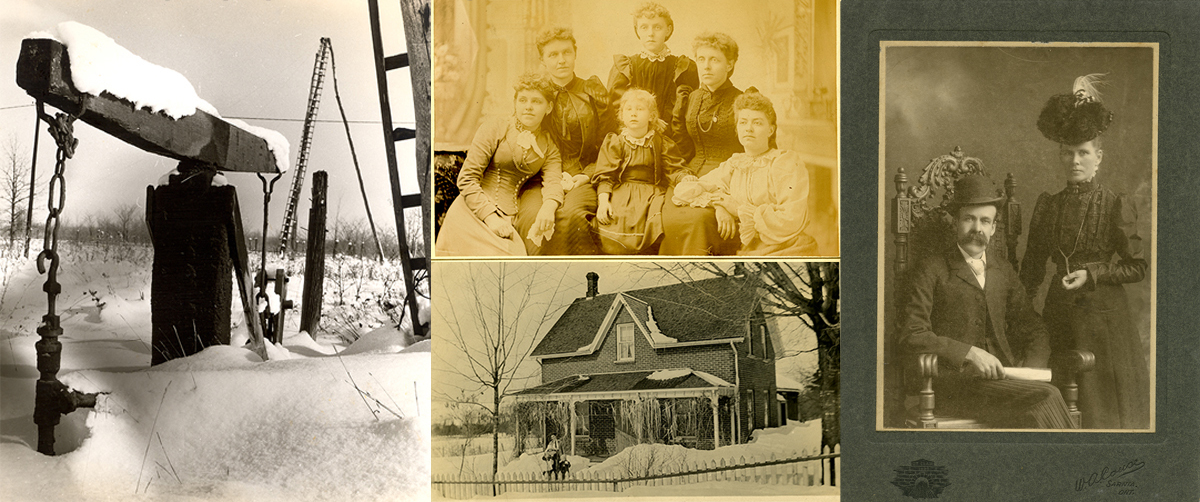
{"x":803,"y":470}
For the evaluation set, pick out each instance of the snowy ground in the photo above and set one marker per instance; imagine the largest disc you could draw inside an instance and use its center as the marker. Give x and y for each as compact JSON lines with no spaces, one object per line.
{"x":220,"y":425}
{"x":792,"y":440}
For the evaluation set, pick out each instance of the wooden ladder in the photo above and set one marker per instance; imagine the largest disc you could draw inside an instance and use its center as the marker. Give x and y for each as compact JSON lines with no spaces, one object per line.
{"x":416,"y":24}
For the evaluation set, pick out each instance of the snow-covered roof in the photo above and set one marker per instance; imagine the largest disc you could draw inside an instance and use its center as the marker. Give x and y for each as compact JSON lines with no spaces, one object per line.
{"x":692,"y":313}
{"x":99,"y":65}
{"x":784,"y":382}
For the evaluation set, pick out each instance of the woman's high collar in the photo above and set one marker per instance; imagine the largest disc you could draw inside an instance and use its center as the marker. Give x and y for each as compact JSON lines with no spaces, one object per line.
{"x":1082,"y":186}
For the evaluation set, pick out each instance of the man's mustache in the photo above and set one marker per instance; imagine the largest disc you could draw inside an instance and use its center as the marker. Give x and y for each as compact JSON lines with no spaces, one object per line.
{"x":979,"y":238}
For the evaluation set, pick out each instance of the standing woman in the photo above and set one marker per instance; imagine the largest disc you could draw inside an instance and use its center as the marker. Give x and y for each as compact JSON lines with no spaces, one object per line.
{"x":707,"y":136}
{"x":580,"y":107}
{"x":503,"y":155}
{"x":1084,"y":230}
{"x":654,"y":69}
{"x":765,"y":188}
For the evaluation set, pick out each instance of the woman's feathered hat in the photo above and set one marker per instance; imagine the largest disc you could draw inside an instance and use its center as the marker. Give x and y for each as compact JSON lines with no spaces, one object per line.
{"x":1074,"y":118}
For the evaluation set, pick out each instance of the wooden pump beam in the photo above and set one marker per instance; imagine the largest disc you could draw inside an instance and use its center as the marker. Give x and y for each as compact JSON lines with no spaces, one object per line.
{"x":44,"y":71}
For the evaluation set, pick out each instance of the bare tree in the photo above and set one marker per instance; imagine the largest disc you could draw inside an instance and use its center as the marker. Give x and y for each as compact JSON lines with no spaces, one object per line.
{"x":493,"y":317}
{"x":808,"y":291}
{"x":124,"y":217}
{"x":14,"y":186}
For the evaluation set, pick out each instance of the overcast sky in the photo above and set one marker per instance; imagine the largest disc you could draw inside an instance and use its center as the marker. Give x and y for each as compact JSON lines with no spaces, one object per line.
{"x":252,"y":59}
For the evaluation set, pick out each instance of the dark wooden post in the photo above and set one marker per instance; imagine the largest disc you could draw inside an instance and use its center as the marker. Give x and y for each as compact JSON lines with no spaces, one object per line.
{"x":314,"y":266}
{"x":191,"y":289}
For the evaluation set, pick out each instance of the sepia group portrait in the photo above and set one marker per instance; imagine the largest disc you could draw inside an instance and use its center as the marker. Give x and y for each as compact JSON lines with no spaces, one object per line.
{"x":635,"y":128}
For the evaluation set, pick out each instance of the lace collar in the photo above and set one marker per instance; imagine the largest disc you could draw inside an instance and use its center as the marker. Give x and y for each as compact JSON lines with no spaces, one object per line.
{"x":642,"y":141}
{"x":747,"y":162}
{"x":661,"y":56}
{"x":1082,"y":187}
{"x":527,"y":139}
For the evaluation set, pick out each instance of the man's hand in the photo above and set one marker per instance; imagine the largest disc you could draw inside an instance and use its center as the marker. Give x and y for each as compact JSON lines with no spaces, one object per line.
{"x":726,"y":223}
{"x":985,"y":364}
{"x":499,"y":226}
{"x":1075,"y":280}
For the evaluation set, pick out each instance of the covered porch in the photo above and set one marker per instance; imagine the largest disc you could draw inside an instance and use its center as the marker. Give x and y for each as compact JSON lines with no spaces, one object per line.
{"x":598,"y":415}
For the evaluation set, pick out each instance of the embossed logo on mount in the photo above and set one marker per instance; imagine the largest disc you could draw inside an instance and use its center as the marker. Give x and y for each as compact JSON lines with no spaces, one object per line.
{"x":922,"y":480}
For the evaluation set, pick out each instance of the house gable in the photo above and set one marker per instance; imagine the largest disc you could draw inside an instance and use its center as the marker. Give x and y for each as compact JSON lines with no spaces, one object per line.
{"x":710,"y":311}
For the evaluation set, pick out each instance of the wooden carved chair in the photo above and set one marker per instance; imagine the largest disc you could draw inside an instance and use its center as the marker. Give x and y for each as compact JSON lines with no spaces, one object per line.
{"x":921,"y":225}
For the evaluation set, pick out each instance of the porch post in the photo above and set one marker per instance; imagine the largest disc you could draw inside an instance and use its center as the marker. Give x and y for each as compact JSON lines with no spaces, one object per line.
{"x":712,"y":399}
{"x":735,"y":432}
{"x":572,"y":405}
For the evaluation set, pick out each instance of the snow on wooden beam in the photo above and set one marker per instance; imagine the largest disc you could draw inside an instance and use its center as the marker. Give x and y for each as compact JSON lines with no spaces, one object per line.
{"x":44,"y":72}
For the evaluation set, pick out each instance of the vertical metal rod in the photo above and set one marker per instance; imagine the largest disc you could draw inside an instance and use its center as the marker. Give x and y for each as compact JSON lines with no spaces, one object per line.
{"x":37,"y":129}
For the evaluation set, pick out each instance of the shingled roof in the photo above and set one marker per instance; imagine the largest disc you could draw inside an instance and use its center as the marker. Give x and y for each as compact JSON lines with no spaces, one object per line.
{"x":689,"y":312}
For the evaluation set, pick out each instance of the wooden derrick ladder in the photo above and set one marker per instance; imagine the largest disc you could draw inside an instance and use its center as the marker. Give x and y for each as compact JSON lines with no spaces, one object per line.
{"x":310,"y":115}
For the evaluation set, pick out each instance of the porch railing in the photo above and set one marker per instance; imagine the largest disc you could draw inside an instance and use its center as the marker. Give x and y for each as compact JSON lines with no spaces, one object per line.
{"x":805,"y":470}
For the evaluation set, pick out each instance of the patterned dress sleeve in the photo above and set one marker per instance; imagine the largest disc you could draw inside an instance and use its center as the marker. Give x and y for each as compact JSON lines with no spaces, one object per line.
{"x":605,"y":118}
{"x":619,"y":80}
{"x":679,"y":118}
{"x":1126,"y":244}
{"x":1037,"y":249}
{"x":608,"y":164}
{"x":785,"y":216}
{"x":687,"y":79}
{"x":483,"y":147}
{"x":552,"y":188}
{"x":672,"y":162}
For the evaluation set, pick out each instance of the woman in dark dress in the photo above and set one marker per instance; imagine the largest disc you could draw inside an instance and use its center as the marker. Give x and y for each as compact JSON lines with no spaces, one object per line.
{"x":654,"y":69}
{"x":1086,"y":231}
{"x":576,"y":124}
{"x":707,"y":136}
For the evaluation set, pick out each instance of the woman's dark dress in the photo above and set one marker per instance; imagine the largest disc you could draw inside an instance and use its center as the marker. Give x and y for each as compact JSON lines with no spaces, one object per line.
{"x":577,"y":125}
{"x":707,"y":136}
{"x":669,"y":79}
{"x":1084,"y":227}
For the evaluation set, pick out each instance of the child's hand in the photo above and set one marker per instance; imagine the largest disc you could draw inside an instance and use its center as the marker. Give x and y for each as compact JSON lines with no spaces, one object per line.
{"x":604,"y":211}
{"x":726,"y":223}
{"x":581,"y":180}
{"x":499,"y":226}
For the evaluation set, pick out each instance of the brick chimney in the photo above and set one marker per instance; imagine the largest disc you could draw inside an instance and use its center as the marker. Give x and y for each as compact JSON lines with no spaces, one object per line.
{"x":593,"y":284}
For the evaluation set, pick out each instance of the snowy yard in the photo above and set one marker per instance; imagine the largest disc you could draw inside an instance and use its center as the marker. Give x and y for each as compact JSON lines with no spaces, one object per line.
{"x":221,"y":425}
{"x":793,"y":440}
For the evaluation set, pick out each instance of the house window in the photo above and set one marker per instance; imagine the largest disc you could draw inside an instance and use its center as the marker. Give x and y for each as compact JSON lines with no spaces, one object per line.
{"x":762,"y":340}
{"x":624,"y":342}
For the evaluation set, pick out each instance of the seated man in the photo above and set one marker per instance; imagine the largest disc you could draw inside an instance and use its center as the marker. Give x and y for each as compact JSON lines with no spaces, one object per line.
{"x":970,"y":309}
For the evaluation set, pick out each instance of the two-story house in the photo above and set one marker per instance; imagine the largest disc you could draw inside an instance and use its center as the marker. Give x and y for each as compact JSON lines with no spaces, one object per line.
{"x":689,"y":363}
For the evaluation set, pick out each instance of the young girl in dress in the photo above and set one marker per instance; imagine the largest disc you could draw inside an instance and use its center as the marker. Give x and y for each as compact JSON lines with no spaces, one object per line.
{"x":633,"y":171}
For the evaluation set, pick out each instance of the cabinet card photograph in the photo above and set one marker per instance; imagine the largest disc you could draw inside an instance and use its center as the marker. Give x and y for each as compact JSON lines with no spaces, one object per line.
{"x":671,"y":128}
{"x":602,"y":379}
{"x":1017,"y":228}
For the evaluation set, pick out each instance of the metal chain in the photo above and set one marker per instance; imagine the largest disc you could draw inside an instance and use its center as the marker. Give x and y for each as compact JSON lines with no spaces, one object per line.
{"x":52,"y":398}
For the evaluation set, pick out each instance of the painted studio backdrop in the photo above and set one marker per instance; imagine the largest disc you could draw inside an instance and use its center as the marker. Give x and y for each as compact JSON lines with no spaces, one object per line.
{"x":787,"y":51}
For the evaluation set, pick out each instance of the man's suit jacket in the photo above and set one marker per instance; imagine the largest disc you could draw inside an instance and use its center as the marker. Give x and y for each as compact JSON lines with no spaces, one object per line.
{"x":946,"y":312}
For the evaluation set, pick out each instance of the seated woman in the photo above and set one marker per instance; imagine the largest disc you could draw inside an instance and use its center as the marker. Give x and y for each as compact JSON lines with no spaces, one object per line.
{"x":707,"y":137}
{"x":580,"y":108}
{"x":503,"y":155}
{"x":633,"y":171}
{"x":765,"y":187}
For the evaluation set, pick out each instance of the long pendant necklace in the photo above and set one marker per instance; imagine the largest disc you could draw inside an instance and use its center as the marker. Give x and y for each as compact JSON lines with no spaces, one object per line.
{"x":700,"y":123}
